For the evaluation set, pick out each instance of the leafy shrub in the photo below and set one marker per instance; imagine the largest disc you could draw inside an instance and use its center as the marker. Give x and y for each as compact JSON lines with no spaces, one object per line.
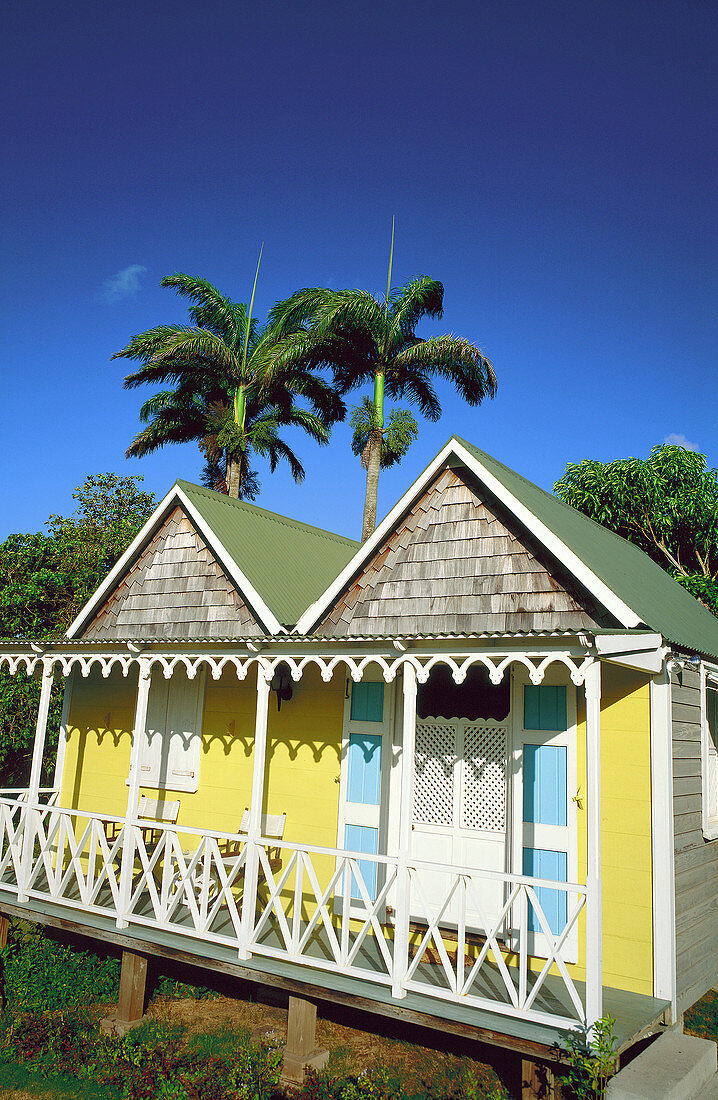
{"x":41,"y":973}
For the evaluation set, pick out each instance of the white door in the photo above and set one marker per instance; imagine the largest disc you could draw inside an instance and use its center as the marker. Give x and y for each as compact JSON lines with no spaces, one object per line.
{"x":459,"y":817}
{"x":366,"y":749}
{"x":545,"y":834}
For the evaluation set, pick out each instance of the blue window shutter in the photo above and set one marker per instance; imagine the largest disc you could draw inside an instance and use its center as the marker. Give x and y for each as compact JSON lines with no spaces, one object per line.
{"x":540,"y":863}
{"x":544,"y":783}
{"x":367,"y":701}
{"x":364,"y":768}
{"x":545,"y":707}
{"x":361,"y":838}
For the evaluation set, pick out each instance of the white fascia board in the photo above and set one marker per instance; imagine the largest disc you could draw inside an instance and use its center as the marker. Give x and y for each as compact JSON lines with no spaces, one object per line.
{"x":97,"y":598}
{"x":257,"y":604}
{"x":609,"y":644}
{"x":177,"y":496}
{"x":310,"y":617}
{"x":605,"y":596}
{"x":651,"y":660}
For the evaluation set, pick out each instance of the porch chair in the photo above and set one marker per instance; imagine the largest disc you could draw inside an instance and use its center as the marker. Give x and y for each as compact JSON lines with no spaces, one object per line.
{"x":148,"y":810}
{"x":272,"y":827}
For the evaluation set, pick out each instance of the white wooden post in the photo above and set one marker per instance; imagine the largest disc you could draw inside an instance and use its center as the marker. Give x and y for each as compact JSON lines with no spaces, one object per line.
{"x":62,"y":739}
{"x":128,"y":836}
{"x":254,"y":828}
{"x":664,"y":903}
{"x":594,"y":903}
{"x":403,"y":884}
{"x":31,"y":810}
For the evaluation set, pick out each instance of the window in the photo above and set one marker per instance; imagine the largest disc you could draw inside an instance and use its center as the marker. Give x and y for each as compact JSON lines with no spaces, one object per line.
{"x":710,"y":753}
{"x":170,"y":754}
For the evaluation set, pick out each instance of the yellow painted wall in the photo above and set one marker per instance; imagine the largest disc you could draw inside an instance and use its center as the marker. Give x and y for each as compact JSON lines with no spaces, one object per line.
{"x":303,"y":753}
{"x":625,"y":827}
{"x":303,"y":762}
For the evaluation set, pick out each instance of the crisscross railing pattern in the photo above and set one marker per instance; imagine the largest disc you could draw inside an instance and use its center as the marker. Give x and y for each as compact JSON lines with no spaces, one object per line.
{"x":488,"y":981}
{"x":323,"y":908}
{"x":310,"y":913}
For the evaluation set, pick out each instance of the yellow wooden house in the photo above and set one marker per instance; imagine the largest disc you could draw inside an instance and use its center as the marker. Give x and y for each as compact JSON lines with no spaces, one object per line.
{"x":464,"y":774}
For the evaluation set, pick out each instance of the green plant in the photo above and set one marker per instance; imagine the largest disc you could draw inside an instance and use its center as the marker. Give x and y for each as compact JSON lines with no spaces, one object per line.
{"x":38,"y":972}
{"x":590,"y":1059}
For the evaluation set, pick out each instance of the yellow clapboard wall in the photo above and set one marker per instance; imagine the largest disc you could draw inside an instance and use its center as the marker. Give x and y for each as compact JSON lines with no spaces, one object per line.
{"x":302,"y":780}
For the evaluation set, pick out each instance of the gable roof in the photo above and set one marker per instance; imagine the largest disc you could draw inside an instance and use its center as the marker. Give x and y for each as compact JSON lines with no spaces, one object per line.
{"x":631,"y":586}
{"x":660,"y":602}
{"x":278,"y":564}
{"x":288,"y":562}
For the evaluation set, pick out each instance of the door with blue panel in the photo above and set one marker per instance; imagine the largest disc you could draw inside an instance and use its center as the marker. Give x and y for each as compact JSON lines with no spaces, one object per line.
{"x":545,"y":811}
{"x":365,"y":751}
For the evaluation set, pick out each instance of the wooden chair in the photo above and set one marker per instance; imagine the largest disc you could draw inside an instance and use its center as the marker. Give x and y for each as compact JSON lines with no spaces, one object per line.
{"x":148,"y":810}
{"x":233,"y":854}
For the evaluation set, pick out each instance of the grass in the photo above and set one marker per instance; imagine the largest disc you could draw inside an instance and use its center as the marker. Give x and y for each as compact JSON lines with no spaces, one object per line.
{"x":18,"y":1082}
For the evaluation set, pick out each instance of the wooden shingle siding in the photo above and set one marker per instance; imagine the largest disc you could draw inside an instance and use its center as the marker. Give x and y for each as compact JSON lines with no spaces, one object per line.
{"x":696,"y":859}
{"x":453,"y":565}
{"x":175,"y":589}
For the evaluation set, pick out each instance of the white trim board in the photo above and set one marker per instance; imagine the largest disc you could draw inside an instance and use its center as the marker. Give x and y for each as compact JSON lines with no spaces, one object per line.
{"x":176,"y":496}
{"x":590,"y":581}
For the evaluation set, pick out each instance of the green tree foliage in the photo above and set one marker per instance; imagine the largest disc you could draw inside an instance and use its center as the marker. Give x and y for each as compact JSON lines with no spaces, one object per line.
{"x":233,"y":390}
{"x":667,"y":504}
{"x":45,"y":578}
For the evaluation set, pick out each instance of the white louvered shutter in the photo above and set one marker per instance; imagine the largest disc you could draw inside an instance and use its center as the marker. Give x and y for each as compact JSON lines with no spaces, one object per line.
{"x":172,"y":748}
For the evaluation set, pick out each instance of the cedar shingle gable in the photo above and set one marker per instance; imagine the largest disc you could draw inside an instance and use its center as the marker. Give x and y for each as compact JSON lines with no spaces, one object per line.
{"x":452,"y":565}
{"x":175,"y":589}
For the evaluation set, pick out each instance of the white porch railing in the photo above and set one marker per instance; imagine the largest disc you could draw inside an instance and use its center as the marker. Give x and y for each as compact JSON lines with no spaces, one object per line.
{"x":315,"y":907}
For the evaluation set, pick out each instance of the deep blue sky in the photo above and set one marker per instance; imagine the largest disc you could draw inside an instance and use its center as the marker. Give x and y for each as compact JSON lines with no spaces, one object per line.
{"x":553,"y":163}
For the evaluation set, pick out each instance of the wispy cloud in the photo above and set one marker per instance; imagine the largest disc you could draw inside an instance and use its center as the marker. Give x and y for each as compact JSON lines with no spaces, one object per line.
{"x":678,"y":440}
{"x":125,"y":284}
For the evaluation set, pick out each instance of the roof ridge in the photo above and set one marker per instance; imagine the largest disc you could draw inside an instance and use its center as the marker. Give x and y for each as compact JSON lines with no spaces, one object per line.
{"x":275,"y":517}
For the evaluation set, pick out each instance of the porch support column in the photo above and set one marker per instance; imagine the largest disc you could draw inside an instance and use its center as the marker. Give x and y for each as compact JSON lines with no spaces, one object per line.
{"x":254,"y":829}
{"x":31,"y":811}
{"x":594,"y":902}
{"x":133,"y":794}
{"x":664,"y":902}
{"x":403,"y":883}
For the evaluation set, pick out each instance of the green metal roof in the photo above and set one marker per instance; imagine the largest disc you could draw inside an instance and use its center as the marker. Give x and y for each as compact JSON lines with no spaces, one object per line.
{"x":288,"y":562}
{"x":661,"y":602}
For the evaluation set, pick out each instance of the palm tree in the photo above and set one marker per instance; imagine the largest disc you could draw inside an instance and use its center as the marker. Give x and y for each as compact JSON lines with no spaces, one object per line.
{"x":364,"y":339}
{"x":230,"y":394}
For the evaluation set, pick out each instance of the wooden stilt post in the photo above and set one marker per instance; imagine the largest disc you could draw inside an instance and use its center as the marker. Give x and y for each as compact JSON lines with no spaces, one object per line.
{"x":538,"y":1081}
{"x":301,"y":1051}
{"x":4,"y":929}
{"x":132,"y":998}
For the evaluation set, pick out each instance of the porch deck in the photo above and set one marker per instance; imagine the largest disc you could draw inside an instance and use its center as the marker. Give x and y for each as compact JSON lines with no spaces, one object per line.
{"x":636,"y":1015}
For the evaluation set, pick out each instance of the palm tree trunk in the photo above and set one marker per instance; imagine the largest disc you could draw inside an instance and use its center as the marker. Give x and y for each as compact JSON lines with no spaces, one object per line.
{"x":233,"y":479}
{"x":373,"y":465}
{"x":372,"y":485}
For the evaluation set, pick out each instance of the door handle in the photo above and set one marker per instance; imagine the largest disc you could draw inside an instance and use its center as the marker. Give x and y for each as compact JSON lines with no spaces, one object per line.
{"x":578,"y":799}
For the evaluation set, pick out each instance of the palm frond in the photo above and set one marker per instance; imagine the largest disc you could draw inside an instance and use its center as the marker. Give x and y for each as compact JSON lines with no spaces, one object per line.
{"x":421,"y":297}
{"x":208,"y":307}
{"x":455,"y":359}
{"x":145,"y":344}
{"x":415,"y":386}
{"x":199,"y":345}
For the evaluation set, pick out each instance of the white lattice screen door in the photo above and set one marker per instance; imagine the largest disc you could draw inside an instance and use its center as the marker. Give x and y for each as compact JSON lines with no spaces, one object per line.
{"x":460,"y":807}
